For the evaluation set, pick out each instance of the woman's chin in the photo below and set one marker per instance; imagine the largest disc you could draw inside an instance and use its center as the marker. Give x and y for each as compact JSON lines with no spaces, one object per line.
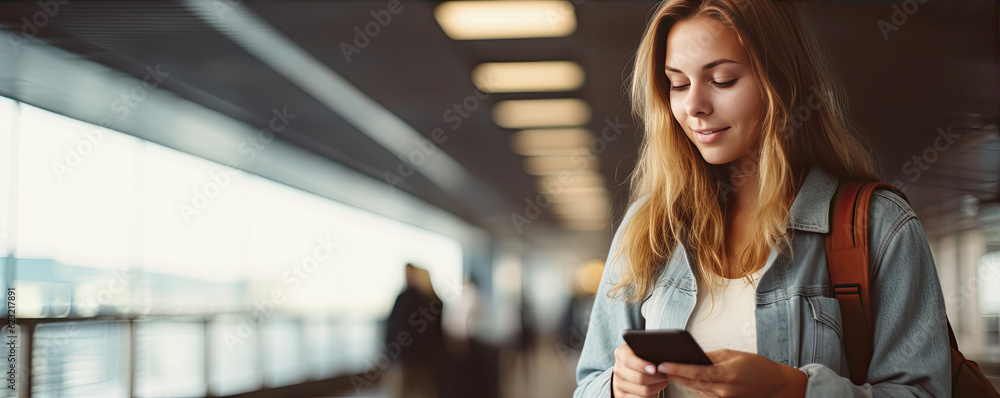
{"x":717,"y":159}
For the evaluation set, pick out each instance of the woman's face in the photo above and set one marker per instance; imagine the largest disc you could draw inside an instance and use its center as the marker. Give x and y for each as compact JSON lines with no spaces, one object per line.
{"x":712,"y":88}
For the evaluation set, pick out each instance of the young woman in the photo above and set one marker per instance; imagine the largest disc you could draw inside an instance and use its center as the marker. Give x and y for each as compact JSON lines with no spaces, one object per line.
{"x":746,"y":136}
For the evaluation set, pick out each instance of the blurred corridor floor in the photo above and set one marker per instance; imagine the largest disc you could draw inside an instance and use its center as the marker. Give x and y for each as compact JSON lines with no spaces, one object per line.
{"x":547,"y":370}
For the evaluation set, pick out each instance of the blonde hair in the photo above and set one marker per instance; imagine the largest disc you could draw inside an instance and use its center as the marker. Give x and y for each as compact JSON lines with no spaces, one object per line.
{"x":685,"y":193}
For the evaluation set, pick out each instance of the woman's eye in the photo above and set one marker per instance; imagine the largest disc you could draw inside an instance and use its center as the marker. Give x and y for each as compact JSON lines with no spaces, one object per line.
{"x":717,"y":84}
{"x":725,"y":84}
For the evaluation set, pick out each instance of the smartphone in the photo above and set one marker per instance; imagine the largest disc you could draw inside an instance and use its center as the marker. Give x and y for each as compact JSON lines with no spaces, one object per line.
{"x":666,"y":345}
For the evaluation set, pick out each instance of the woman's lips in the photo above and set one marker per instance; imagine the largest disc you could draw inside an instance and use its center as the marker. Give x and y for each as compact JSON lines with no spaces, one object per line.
{"x":708,"y":138}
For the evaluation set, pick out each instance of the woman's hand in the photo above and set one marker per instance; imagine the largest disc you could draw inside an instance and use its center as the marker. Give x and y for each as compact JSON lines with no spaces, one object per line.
{"x":634,"y":376}
{"x":738,"y":374}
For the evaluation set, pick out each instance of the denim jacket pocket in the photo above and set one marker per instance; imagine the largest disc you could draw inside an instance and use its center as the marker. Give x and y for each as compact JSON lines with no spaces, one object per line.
{"x":827,"y":333}
{"x":826,"y":310}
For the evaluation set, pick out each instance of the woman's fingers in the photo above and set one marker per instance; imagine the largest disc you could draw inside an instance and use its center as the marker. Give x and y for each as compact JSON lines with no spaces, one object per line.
{"x":627,"y":358}
{"x":633,"y":369}
{"x":708,"y":373}
{"x":635,"y":377}
{"x":704,"y":390}
{"x":626,"y":389}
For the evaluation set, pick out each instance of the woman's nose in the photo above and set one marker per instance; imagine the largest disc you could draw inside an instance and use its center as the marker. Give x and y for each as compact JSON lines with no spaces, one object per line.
{"x":697,"y":103}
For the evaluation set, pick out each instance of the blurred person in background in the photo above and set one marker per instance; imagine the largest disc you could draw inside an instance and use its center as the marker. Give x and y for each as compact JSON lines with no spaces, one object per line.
{"x":471,"y":365}
{"x":725,"y":177}
{"x":417,"y":312}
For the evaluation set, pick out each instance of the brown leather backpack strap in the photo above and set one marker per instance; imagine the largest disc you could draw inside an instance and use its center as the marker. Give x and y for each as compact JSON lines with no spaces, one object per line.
{"x":847,"y":260}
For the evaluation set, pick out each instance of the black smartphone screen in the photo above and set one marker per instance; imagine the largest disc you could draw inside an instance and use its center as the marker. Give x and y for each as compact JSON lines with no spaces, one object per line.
{"x":667,"y":345}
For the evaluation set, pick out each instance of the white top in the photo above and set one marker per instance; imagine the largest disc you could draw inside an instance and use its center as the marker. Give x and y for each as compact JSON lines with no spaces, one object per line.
{"x":731,"y":323}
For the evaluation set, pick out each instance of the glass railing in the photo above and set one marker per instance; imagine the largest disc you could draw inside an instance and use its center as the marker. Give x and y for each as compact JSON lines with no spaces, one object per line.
{"x":153,"y":356}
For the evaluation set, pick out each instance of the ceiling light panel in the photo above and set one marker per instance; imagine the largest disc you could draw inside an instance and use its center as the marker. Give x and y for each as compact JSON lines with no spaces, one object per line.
{"x":478,"y":20}
{"x":541,"y":165}
{"x":515,"y":114}
{"x":551,"y":142}
{"x":512,"y":77}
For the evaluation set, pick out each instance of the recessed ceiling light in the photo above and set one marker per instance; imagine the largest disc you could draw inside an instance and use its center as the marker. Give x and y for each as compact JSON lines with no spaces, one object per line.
{"x":578,"y":194}
{"x":551,"y":142}
{"x":471,"y":20}
{"x":549,"y":183}
{"x":515,"y":114}
{"x":540,"y":165}
{"x":585,"y":206}
{"x":508,"y":77}
{"x":554,"y":151}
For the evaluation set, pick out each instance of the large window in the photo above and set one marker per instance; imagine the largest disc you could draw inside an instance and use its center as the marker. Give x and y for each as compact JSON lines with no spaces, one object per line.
{"x":989,"y":278}
{"x":196,"y":264}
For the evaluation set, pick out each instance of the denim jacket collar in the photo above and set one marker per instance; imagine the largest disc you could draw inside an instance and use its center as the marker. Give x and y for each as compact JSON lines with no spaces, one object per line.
{"x":810,"y":210}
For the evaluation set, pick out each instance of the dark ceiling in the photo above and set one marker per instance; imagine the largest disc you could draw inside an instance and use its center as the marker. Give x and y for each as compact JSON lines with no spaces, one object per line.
{"x":939,"y":69}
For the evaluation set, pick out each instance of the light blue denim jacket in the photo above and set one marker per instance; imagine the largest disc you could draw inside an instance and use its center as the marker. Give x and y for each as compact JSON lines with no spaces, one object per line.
{"x":798,"y":320}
